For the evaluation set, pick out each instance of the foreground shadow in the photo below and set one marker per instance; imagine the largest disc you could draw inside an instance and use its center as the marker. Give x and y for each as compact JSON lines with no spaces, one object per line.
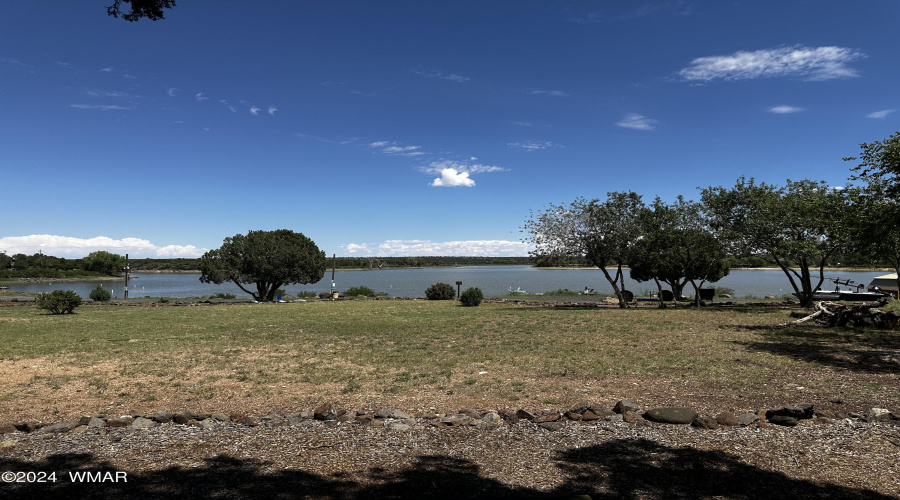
{"x":860,"y":350}
{"x":628,"y":468}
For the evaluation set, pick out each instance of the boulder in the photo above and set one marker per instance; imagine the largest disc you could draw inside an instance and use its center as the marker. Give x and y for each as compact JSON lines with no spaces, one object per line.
{"x":623,"y":406}
{"x":784,"y":420}
{"x":163,"y":417}
{"x":143,"y":423}
{"x":325,"y":411}
{"x":671,"y":415}
{"x":551,"y":426}
{"x":749,"y":418}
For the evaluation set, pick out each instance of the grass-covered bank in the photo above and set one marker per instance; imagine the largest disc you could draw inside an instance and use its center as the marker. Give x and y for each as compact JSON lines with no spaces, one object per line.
{"x":423,"y":354}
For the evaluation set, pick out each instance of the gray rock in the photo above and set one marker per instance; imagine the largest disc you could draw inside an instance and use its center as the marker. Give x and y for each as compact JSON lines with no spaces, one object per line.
{"x":551,"y":426}
{"x":383,"y":413}
{"x":143,"y":423}
{"x":784,"y":420}
{"x":798,"y":411}
{"x":624,"y":405}
{"x":399,"y":414}
{"x":163,"y":417}
{"x":397,"y":426}
{"x":325,"y":411}
{"x":525,"y":415}
{"x":671,"y":415}
{"x":96,"y":422}
{"x":748,"y":418}
{"x":221,"y":417}
{"x":60,"y":426}
{"x":455,"y":420}
{"x":207,"y":423}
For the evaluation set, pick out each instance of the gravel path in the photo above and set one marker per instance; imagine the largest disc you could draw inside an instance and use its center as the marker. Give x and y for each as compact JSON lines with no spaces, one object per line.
{"x":314,"y":459}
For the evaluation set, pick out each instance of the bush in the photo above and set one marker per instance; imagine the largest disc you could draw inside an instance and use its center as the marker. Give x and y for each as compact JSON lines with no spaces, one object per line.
{"x":100,"y":294}
{"x":59,"y":301}
{"x":471,"y":297}
{"x":359,"y":290}
{"x":440,"y":291}
{"x":226,"y":296}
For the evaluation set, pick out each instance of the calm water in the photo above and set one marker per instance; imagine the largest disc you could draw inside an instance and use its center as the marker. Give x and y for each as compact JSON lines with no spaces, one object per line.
{"x":492,"y":280}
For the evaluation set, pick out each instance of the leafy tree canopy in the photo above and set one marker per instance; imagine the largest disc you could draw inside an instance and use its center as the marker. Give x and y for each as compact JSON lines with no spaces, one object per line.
{"x":104,"y":262}
{"x":266,"y":259}
{"x":880,"y":160}
{"x":150,"y":9}
{"x":804,"y":223}
{"x":600,"y":231}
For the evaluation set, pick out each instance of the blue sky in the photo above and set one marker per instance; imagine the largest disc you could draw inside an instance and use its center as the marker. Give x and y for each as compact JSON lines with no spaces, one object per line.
{"x":411,"y":127}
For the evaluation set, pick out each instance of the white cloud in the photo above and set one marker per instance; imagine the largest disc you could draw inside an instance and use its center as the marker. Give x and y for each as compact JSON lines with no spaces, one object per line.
{"x":393,"y":149}
{"x":453,"y":77}
{"x":229,"y":106}
{"x":785,"y":109}
{"x":437,"y":167}
{"x":172,"y":92}
{"x":254,"y":111}
{"x":71,"y":247}
{"x":880,"y":114}
{"x":451,"y":178}
{"x":428,"y":248}
{"x":554,"y":93}
{"x":531,"y":145}
{"x":200,"y":97}
{"x":637,"y":122}
{"x":110,"y":93}
{"x":107,"y":70}
{"x":101,"y":107}
{"x":272,"y":110}
{"x":810,"y":63}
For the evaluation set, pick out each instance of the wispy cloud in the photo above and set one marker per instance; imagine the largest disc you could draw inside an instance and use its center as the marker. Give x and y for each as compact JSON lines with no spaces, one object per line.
{"x":531,"y":145}
{"x":785,"y":109}
{"x":554,"y":93}
{"x":230,"y":107}
{"x":199,"y":97}
{"x":323,"y":139}
{"x":439,"y":166}
{"x":254,"y":110}
{"x":107,"y":70}
{"x":172,"y":92}
{"x":612,"y":13}
{"x":393,"y":148}
{"x":810,"y":63}
{"x":272,"y":110}
{"x":441,"y":75}
{"x":880,"y":114}
{"x":101,"y":107}
{"x":110,"y":93}
{"x":71,"y":247}
{"x":637,"y":122}
{"x":428,"y":248}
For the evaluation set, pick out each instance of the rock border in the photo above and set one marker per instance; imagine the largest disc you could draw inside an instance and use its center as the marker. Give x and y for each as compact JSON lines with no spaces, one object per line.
{"x":331,"y":415}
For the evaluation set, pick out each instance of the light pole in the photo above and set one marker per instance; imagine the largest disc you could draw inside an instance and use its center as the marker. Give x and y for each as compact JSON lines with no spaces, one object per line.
{"x":126,"y":275}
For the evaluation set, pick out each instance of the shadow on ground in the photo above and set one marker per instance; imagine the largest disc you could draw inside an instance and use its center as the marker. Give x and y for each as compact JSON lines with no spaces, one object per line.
{"x":628,"y":468}
{"x":860,"y":350}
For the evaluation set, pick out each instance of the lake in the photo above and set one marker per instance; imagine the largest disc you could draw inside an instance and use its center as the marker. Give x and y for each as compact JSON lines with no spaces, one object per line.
{"x":492,"y":280}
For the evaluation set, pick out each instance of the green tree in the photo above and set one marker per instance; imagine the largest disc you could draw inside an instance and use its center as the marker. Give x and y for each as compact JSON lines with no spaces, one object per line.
{"x":104,"y":262}
{"x":880,"y":162}
{"x":876,"y":235}
{"x":267,"y":259}
{"x":150,"y":9}
{"x":59,"y":301}
{"x":675,"y":248}
{"x":798,"y":226}
{"x":602,"y":232}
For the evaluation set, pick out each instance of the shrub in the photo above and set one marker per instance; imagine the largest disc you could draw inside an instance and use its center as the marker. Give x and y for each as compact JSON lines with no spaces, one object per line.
{"x":100,"y":294}
{"x":59,"y":301}
{"x":227,"y":296}
{"x":471,"y":297}
{"x":440,"y":291}
{"x":359,"y":290}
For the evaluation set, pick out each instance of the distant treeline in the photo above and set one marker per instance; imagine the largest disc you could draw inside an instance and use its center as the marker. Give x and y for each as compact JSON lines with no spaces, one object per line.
{"x":138,"y":265}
